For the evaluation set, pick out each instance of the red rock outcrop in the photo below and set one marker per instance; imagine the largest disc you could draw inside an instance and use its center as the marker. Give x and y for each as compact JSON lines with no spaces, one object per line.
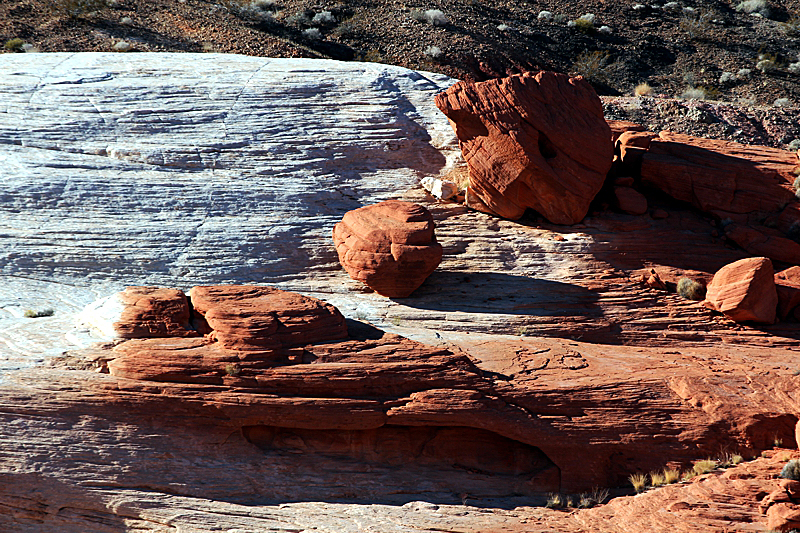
{"x":720,"y":175}
{"x":389,"y":246}
{"x":153,"y":312}
{"x":534,"y":141}
{"x":744,"y":291}
{"x":630,"y":201}
{"x":787,"y":282}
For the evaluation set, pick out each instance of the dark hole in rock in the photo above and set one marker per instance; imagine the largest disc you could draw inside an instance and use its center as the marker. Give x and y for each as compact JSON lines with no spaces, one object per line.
{"x":424,"y":462}
{"x":468,"y":126}
{"x":546,"y":147}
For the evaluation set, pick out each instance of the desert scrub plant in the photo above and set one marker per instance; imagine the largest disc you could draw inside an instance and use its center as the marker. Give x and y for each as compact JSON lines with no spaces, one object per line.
{"x":767,"y":63}
{"x":592,"y":65}
{"x":704,"y":466}
{"x":671,"y":475}
{"x":545,"y":15}
{"x":638,"y":481}
{"x":695,"y":24}
{"x":690,"y":289}
{"x":730,"y":459}
{"x":791,"y":470}
{"x":782,"y":102}
{"x":233,"y":370}
{"x":323,"y":17}
{"x":433,"y":17}
{"x":14,"y":45}
{"x":657,"y":479}
{"x":312,"y":33}
{"x":434,"y":52}
{"x":584,"y":23}
{"x":30,"y":313}
{"x":555,"y":501}
{"x":643,"y":89}
{"x":751,"y":7}
{"x":76,"y":8}
{"x":693,"y":93}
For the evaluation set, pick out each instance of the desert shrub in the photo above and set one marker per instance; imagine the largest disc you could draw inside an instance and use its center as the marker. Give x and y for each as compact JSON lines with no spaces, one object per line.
{"x":690,"y":289}
{"x":639,"y":482}
{"x":744,"y":73}
{"x":122,"y":46}
{"x":694,"y":93}
{"x":672,"y":6}
{"x":431,"y":16}
{"x":560,"y":18}
{"x":794,"y":68}
{"x":730,"y":459}
{"x":639,"y":7}
{"x":782,"y":102}
{"x":30,"y":313}
{"x":233,"y":370}
{"x":14,"y":45}
{"x":545,"y":15}
{"x":767,"y":63}
{"x":688,"y":10}
{"x":312,"y":33}
{"x":75,"y":8}
{"x":591,"y":65}
{"x":727,"y":77}
{"x":555,"y":501}
{"x":795,"y":146}
{"x":323,"y":17}
{"x":657,"y":479}
{"x":671,"y":475}
{"x":605,"y":30}
{"x":433,"y":52}
{"x":643,"y":89}
{"x":503,"y":27}
{"x":704,"y":466}
{"x":753,"y":6}
{"x":791,"y":470}
{"x":584,"y":23}
{"x":300,"y":18}
{"x":694,"y":24}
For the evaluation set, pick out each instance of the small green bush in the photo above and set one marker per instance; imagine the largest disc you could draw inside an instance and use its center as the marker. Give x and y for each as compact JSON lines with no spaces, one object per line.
{"x":791,"y":470}
{"x":233,"y":370}
{"x":14,"y":45}
{"x":690,"y":289}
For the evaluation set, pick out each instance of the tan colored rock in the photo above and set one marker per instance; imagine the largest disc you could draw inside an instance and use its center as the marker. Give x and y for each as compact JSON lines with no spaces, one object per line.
{"x":783,"y":517}
{"x":534,"y":141}
{"x":787,"y":283}
{"x":389,"y":246}
{"x":630,"y":201}
{"x":744,"y":291}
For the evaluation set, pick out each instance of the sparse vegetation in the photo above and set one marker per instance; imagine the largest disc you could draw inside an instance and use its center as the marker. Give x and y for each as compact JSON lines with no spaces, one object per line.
{"x":312,"y":33}
{"x":434,"y":52}
{"x":754,"y":6}
{"x":233,"y":369}
{"x":690,"y":289}
{"x":434,"y":17}
{"x":694,"y":93}
{"x":584,"y":23}
{"x":591,"y":65}
{"x":639,"y":482}
{"x":643,"y":89}
{"x":14,"y":45}
{"x":704,"y":466}
{"x":554,"y":501}
{"x":657,"y":479}
{"x":791,"y":470}
{"x":695,"y":24}
{"x":30,"y":313}
{"x":671,"y":475}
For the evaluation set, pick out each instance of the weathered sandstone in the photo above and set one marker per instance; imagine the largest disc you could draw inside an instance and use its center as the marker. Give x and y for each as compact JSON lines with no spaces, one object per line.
{"x":390,"y":246}
{"x":744,"y":291}
{"x":630,"y":201}
{"x":787,"y":283}
{"x":534,"y":141}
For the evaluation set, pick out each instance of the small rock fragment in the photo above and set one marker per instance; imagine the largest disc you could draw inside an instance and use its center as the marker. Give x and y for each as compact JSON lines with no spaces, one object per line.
{"x":630,"y":201}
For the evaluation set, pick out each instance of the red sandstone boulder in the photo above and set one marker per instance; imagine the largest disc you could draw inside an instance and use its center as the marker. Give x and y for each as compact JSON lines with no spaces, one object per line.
{"x":720,"y":175}
{"x":764,"y":243}
{"x":142,"y":312}
{"x":389,"y":246}
{"x":253,"y":318}
{"x":630,"y":201}
{"x":618,"y":127}
{"x":531,"y":141}
{"x":744,"y":291}
{"x":787,"y":282}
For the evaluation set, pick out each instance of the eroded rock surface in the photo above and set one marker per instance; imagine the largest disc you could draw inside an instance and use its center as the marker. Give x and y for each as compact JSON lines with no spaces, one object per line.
{"x":744,"y":291}
{"x":390,"y":246}
{"x":531,"y":141}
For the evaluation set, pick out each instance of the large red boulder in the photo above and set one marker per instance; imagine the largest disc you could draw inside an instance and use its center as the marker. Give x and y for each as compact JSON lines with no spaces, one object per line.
{"x":531,"y":141}
{"x":744,"y":291}
{"x":389,"y":246}
{"x":718,"y":175}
